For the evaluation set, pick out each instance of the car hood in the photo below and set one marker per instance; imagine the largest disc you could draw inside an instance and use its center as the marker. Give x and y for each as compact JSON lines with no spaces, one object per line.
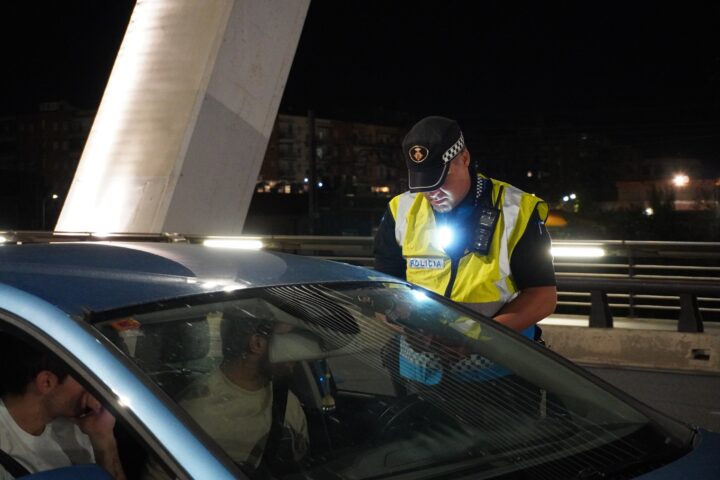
{"x":701,"y":463}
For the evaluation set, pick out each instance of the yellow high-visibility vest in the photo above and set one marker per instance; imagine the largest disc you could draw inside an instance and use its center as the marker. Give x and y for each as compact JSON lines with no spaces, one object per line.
{"x":482,"y":282}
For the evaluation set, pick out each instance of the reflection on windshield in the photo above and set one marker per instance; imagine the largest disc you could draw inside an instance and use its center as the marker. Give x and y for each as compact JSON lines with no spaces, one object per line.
{"x":376,"y":380}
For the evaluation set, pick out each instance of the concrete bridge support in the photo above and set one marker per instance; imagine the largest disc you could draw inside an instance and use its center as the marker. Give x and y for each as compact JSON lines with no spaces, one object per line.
{"x":182,"y":129}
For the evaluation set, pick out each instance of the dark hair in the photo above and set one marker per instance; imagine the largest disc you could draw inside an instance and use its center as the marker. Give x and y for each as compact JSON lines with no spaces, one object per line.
{"x":22,"y":362}
{"x":235,"y":333}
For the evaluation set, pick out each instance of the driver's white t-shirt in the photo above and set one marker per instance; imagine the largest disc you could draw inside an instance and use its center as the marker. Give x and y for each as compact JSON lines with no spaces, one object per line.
{"x":239,"y":419}
{"x":60,"y":445}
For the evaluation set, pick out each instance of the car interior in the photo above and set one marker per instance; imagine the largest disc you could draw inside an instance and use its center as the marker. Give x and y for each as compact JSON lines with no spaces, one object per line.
{"x":343,"y":412}
{"x":357,"y":407}
{"x":176,"y":354}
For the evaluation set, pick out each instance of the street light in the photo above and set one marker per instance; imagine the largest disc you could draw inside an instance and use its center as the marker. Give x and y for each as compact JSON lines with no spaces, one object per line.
{"x":681,"y":180}
{"x":52,"y":197}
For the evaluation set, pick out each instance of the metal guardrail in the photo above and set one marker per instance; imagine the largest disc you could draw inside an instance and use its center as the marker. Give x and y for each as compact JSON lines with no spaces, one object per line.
{"x":637,"y":279}
{"x":690,"y":318}
{"x":679,"y":280}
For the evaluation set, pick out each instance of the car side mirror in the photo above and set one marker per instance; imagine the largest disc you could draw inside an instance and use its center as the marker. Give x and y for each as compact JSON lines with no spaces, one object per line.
{"x":76,"y":472}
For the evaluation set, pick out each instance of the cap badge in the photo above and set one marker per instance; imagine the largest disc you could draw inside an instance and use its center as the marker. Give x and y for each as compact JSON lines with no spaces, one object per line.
{"x":418,"y":153}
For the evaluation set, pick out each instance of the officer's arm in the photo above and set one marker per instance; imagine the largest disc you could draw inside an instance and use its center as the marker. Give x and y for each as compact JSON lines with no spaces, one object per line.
{"x":387,"y":252}
{"x":529,"y":307}
{"x":532,"y":270}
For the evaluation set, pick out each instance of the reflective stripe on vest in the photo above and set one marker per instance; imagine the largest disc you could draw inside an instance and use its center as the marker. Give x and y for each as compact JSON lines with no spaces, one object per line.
{"x":399,"y":207}
{"x":484,"y":283}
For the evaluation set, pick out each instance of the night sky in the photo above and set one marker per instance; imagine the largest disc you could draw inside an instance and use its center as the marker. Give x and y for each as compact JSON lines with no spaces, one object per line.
{"x":642,"y":73}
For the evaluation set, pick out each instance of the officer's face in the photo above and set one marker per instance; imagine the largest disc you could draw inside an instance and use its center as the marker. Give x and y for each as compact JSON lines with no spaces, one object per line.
{"x":456,"y":186}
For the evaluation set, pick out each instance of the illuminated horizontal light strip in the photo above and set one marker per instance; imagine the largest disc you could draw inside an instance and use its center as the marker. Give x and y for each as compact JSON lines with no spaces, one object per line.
{"x":241,"y":244}
{"x":577,"y":252}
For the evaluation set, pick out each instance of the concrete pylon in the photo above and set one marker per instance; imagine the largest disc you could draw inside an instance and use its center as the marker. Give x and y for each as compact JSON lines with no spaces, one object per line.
{"x":184,"y":123}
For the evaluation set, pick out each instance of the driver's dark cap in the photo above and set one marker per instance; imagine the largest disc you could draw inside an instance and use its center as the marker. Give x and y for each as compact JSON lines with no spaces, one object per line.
{"x":429,"y":147}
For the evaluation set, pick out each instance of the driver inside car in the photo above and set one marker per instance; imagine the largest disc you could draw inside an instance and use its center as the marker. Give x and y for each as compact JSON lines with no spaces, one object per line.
{"x":234,"y":403}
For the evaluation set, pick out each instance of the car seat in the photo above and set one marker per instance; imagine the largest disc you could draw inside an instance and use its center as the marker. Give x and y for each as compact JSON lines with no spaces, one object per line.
{"x":173,"y":354}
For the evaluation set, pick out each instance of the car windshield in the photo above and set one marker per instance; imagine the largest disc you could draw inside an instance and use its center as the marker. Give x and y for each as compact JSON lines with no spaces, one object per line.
{"x":380,"y":380}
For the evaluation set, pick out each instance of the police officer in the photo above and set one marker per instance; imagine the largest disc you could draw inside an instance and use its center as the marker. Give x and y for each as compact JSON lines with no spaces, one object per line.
{"x":476,"y":240}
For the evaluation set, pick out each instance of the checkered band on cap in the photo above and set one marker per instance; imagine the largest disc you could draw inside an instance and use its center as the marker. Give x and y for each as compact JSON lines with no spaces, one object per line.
{"x":452,"y":152}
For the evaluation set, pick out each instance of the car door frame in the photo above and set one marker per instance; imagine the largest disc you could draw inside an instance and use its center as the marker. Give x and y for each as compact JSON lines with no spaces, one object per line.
{"x":99,"y":365}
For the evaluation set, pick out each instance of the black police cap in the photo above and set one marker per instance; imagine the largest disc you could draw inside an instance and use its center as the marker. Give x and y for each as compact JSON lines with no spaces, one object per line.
{"x":429,"y":147}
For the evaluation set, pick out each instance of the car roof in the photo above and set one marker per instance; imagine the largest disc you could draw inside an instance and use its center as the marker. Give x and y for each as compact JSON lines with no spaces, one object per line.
{"x":98,"y":276}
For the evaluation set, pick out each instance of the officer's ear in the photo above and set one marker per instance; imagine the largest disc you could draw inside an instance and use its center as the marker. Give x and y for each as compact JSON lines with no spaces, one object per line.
{"x":464,"y":158}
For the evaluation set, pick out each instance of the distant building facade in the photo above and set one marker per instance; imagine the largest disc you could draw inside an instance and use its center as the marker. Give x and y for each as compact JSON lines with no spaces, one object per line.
{"x":570,"y":169}
{"x":355,"y":158}
{"x":49,"y":141}
{"x":679,"y":184}
{"x":41,"y":150}
{"x":551,"y":161}
{"x":695,"y":195}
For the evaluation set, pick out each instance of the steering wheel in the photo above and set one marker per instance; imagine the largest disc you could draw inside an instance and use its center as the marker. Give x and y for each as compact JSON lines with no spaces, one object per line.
{"x":402,"y":415}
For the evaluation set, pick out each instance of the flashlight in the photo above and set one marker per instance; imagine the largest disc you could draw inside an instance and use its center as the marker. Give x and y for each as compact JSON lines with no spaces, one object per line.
{"x":445,"y":237}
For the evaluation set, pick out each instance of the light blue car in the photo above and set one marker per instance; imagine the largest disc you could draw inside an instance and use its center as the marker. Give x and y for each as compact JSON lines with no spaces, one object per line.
{"x":361,"y":376}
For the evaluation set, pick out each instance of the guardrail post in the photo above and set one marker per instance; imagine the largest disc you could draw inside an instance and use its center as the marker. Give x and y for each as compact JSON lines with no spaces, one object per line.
{"x":690,"y":317}
{"x":600,"y":315}
{"x":631,"y":274}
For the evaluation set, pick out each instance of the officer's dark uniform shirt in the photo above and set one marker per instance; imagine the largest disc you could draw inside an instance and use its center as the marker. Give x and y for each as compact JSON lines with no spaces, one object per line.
{"x":531,"y":262}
